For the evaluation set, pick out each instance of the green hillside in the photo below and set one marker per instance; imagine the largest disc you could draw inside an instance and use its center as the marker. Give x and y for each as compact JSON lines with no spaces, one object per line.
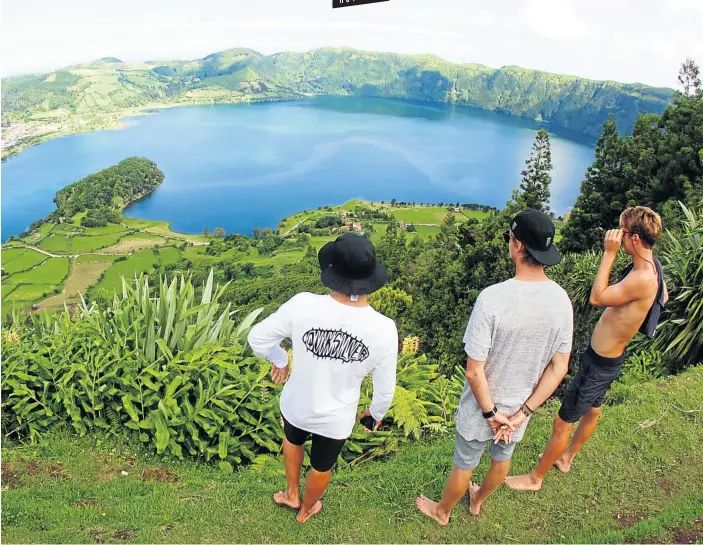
{"x":97,"y":94}
{"x":637,"y":481}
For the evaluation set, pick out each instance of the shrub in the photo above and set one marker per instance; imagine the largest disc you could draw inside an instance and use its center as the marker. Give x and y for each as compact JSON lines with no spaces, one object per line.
{"x":680,"y":336}
{"x":173,"y":371}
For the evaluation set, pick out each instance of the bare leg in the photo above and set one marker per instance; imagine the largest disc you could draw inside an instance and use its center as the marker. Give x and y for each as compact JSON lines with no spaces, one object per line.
{"x":455,"y":489}
{"x":556,"y":447}
{"x":315,"y":485}
{"x":584,"y":430}
{"x":293,"y":460}
{"x":495,"y":476}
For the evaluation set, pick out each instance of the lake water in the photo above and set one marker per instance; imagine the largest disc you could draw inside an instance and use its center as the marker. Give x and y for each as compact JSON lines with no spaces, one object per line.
{"x":245,"y":166}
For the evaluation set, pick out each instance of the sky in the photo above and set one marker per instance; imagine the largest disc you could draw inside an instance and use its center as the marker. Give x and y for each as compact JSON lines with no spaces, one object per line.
{"x":624,"y":40}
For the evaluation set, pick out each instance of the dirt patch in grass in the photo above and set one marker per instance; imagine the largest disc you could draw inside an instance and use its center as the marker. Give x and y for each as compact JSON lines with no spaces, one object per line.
{"x":32,"y":467}
{"x":694,"y":534}
{"x":666,"y":487}
{"x":56,"y":471}
{"x":95,"y":533}
{"x":107,"y":469}
{"x":159,"y":474}
{"x":629,"y":519}
{"x":10,"y":476}
{"x":124,"y":534}
{"x":166,"y":530}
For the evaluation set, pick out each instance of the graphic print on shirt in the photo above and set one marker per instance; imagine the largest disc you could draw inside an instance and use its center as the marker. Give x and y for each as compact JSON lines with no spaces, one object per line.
{"x":335,"y":344}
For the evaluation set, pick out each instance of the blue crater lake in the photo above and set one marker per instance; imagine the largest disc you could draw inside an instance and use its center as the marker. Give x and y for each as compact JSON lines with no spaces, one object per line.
{"x":250,"y":165}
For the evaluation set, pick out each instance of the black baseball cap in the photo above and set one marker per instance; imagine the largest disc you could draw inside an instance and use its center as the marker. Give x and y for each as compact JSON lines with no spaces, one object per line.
{"x":349,"y":266}
{"x":536,"y":231}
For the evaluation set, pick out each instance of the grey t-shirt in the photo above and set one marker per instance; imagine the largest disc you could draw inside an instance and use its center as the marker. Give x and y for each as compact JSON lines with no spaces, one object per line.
{"x":516,"y":327}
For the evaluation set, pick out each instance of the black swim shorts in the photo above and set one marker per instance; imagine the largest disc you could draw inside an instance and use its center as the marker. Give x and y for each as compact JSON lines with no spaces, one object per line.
{"x":324,"y":452}
{"x":587,"y":389}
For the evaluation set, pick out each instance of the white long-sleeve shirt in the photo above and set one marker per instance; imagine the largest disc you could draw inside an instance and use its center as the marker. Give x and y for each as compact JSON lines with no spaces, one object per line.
{"x":334,"y":347}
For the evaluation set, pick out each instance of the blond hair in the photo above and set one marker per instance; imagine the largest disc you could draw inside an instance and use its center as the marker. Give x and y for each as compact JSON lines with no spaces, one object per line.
{"x":642,"y":221}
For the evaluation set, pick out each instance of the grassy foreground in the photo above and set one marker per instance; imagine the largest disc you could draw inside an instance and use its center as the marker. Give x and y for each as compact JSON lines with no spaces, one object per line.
{"x":639,"y":479}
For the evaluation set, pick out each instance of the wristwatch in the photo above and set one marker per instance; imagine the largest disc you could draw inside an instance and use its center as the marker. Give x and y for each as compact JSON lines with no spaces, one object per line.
{"x":491,"y":413}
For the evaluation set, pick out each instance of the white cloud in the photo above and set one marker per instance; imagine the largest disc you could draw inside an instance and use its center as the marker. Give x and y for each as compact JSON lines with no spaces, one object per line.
{"x":625,"y":40}
{"x":554,"y":20}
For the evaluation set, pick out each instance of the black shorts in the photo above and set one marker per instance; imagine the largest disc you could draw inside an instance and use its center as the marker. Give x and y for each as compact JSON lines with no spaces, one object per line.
{"x":587,"y":389}
{"x":324,"y":452}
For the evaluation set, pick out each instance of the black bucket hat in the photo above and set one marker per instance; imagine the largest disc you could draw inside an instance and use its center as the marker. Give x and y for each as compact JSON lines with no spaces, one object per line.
{"x":349,"y":266}
{"x":536,"y":231}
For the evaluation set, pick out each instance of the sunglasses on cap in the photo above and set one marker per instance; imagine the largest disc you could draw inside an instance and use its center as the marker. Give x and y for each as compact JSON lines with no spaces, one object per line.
{"x":506,"y":236}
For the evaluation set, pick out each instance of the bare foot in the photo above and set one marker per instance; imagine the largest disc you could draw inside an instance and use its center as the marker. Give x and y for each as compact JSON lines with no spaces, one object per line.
{"x":429,"y":508}
{"x":302,"y":517}
{"x":284,"y":498}
{"x":524,"y":483}
{"x":560,"y":464}
{"x":474,"y":506}
{"x":563,"y":465}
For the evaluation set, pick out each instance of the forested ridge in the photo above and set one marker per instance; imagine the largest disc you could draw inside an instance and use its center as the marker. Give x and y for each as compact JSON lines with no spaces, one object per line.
{"x":236,"y":75}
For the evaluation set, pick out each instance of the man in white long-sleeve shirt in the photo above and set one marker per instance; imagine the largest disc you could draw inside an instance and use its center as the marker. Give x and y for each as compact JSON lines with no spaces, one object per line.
{"x":337,"y":340}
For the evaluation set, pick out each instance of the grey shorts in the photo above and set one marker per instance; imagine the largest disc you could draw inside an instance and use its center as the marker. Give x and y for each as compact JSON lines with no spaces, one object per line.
{"x":467,"y":454}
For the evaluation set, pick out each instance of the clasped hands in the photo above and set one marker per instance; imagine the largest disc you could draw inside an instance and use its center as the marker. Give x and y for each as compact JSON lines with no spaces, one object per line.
{"x":504,"y":426}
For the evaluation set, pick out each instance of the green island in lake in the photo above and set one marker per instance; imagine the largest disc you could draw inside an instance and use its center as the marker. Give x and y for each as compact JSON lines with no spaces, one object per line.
{"x":86,"y":246}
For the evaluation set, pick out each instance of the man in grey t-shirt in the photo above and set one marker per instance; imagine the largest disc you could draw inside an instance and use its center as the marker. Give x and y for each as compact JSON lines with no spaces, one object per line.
{"x":518,"y":344}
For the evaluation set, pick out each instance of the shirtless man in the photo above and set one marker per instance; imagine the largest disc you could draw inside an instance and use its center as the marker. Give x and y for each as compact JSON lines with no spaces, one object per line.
{"x":627,"y":304}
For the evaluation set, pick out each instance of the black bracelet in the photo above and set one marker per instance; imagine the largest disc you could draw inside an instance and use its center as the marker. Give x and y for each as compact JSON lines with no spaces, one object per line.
{"x":526,"y":409}
{"x":491,"y":413}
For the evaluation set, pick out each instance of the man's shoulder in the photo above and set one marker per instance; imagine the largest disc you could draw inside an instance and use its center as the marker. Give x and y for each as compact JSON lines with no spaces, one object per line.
{"x":644,"y":281}
{"x":494,"y":291}
{"x":303,"y":298}
{"x":560,"y":292}
{"x":383,"y":321}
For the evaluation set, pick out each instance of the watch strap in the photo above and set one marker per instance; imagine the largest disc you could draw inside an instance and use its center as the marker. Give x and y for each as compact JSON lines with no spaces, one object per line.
{"x":491,"y":413}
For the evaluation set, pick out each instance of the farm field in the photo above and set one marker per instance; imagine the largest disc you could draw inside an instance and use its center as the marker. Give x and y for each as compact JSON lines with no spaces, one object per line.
{"x":84,"y":275}
{"x":103,"y":255}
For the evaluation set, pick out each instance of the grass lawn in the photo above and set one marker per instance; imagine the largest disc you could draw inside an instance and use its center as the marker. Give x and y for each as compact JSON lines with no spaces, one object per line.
{"x":15,"y":260}
{"x":141,"y":261}
{"x":52,"y":271}
{"x":6,"y":289}
{"x":66,"y":228}
{"x":424,"y":214}
{"x":638,"y":479}
{"x":136,"y":241}
{"x":78,"y":244}
{"x":28,"y":292}
{"x":106,"y":230}
{"x":426,"y":231}
{"x":57,"y":243}
{"x":169,"y":255}
{"x":129,"y":268}
{"x":90,"y":243}
{"x":78,"y":217}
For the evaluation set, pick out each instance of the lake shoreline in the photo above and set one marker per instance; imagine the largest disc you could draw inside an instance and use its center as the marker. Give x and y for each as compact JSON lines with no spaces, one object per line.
{"x":240,"y":168}
{"x":116,"y":119}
